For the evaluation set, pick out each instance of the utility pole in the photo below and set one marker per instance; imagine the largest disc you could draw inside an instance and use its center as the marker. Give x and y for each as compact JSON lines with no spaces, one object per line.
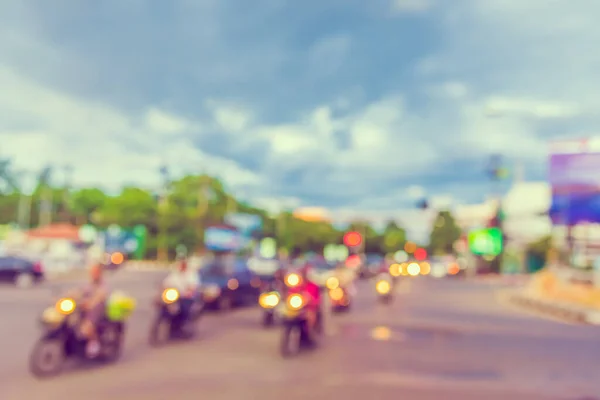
{"x":498,"y":172}
{"x":163,"y":204}
{"x":47,"y":198}
{"x":24,"y":208}
{"x":68,"y":178}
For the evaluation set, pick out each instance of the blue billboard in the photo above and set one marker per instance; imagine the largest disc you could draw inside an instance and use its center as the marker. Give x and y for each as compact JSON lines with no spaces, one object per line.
{"x":219,"y":238}
{"x":246,"y":224}
{"x":575,"y":181}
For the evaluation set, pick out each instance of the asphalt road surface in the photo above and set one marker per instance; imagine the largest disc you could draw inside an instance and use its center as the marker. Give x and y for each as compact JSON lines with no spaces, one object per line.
{"x":440,"y":339}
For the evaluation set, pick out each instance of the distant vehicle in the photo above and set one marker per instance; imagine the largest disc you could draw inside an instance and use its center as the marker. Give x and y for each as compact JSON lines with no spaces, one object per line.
{"x":370,"y":266}
{"x":229,"y":283}
{"x":20,"y":271}
{"x":444,"y":266}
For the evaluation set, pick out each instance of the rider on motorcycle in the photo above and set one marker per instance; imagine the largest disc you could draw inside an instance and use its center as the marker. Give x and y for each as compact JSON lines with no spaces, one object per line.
{"x":92,"y":297}
{"x":312,"y":293}
{"x":187,"y":282}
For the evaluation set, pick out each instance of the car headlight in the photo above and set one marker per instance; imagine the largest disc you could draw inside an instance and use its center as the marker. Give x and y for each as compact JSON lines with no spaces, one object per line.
{"x":295,"y":302}
{"x":170,"y":295}
{"x":65,"y":306}
{"x":268,"y":300}
{"x":383,"y":287}
{"x":332,"y":283}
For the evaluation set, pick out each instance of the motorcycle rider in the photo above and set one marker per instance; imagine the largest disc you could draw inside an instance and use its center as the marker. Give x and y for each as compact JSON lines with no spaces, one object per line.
{"x":187,"y":282}
{"x":92,"y":297}
{"x":312,"y":294}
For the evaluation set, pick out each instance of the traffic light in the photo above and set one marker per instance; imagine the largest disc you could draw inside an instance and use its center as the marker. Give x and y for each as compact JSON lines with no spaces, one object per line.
{"x":352,"y":239}
{"x":420,"y":254}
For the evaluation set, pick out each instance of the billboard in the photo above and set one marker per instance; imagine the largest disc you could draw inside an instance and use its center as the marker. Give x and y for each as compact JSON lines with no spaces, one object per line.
{"x":246,"y":224}
{"x":574,"y":175}
{"x":221,"y":238}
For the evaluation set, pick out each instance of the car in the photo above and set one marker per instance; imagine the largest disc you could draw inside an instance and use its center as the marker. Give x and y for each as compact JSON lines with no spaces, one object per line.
{"x":20,"y":271}
{"x":370,"y":266}
{"x":226,"y":284}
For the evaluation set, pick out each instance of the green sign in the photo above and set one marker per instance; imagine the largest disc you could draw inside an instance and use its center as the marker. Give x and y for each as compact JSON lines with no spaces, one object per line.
{"x":486,"y":242}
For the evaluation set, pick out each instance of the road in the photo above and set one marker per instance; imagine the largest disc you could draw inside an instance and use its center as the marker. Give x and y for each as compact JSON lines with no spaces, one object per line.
{"x":447,"y":339}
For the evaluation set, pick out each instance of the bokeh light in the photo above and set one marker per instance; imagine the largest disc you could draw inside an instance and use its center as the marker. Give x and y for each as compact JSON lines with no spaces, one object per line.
{"x":413,"y":269}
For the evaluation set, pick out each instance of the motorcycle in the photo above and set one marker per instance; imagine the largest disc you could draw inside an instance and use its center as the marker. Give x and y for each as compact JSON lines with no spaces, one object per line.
{"x":384,"y":289}
{"x":340,"y":298}
{"x":170,"y":323}
{"x":296,"y":333}
{"x":62,"y":340}
{"x":269,"y":301}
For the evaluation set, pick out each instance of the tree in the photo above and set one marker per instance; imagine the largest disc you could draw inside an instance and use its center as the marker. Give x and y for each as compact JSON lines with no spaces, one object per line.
{"x":394,"y":238}
{"x":444,"y":233}
{"x":192,"y":203}
{"x":85,"y":202}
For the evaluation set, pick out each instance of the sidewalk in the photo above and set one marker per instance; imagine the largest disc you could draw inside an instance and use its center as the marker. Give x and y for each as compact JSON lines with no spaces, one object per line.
{"x":547,"y":293}
{"x":557,"y":309}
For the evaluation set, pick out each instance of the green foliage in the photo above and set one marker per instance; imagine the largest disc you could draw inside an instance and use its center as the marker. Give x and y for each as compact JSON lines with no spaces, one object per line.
{"x":444,"y":233}
{"x":189,"y":205}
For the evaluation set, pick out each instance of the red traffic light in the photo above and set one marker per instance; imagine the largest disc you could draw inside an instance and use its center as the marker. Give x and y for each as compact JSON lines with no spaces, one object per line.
{"x":420,"y":254}
{"x":352,"y":239}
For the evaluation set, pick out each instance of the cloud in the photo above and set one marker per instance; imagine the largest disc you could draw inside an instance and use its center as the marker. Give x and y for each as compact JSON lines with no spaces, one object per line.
{"x":162,"y":122}
{"x":106,"y":146}
{"x":232,"y":119}
{"x":347,"y":115}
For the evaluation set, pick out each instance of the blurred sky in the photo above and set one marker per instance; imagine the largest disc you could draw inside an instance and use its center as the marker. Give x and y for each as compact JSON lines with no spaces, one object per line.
{"x":337,"y":103}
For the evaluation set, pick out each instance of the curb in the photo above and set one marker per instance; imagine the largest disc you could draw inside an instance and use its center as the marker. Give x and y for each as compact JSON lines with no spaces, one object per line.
{"x":557,"y":310}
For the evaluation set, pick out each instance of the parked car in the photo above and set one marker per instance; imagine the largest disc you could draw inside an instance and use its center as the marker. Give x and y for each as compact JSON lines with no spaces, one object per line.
{"x":20,"y":271}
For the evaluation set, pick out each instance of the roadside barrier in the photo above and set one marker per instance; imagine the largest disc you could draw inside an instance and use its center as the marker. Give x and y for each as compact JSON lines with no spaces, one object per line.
{"x":548,"y":293}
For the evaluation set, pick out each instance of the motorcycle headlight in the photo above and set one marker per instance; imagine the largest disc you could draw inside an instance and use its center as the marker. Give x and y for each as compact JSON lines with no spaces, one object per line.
{"x":292,"y":280}
{"x":383,"y":287}
{"x":336,"y":294}
{"x":170,"y":295}
{"x":65,"y":306}
{"x":295,"y":302}
{"x":268,"y":300}
{"x":332,"y":283}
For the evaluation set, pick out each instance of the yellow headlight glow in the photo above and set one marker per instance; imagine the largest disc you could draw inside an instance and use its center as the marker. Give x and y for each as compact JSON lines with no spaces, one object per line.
{"x":292,"y":280}
{"x":268,"y":300}
{"x":170,"y":296}
{"x":332,"y":283}
{"x":383,"y":287}
{"x":295,"y":301}
{"x":65,"y":306}
{"x":413,"y":269}
{"x":336,"y":294}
